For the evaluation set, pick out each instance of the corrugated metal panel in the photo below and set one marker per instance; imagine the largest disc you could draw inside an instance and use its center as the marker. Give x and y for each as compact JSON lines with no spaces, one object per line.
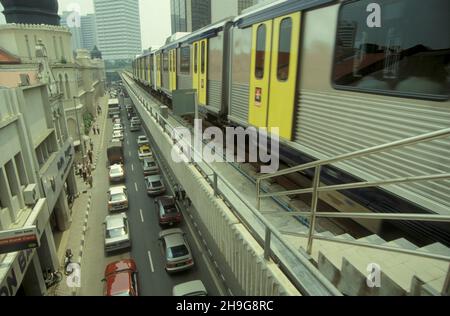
{"x":215,"y":94}
{"x":239,"y":101}
{"x":331,"y":124}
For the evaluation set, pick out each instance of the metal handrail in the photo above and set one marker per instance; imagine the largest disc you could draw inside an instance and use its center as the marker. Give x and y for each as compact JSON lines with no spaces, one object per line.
{"x":317,"y":188}
{"x":270,"y":229}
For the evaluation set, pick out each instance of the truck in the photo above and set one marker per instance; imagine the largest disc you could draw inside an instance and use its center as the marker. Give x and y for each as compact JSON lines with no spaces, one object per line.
{"x":115,"y":153}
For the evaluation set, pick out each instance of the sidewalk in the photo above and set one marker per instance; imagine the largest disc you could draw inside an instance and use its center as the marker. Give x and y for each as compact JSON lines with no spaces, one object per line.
{"x":74,"y":237}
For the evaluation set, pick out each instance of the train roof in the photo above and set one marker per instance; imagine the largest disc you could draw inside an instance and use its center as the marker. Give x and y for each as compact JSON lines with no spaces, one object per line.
{"x":276,"y":9}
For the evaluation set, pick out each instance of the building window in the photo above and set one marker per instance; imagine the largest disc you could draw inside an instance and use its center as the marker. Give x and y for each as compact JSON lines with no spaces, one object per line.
{"x":18,"y":159}
{"x":185,"y":60}
{"x":196,"y":58}
{"x":165,"y":62}
{"x":260,"y":57}
{"x":400,"y":58}
{"x":12,"y":178}
{"x":284,"y":49}
{"x":61,"y":85}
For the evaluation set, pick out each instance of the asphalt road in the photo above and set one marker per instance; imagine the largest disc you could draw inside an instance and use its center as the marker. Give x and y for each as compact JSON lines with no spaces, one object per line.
{"x":144,"y":229}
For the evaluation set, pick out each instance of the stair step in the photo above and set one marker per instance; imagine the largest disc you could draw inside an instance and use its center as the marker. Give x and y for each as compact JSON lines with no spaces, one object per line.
{"x":436,"y":248}
{"x":373,"y":239}
{"x":299,"y":205}
{"x":345,"y":237}
{"x":402,"y":243}
{"x":326,"y":234}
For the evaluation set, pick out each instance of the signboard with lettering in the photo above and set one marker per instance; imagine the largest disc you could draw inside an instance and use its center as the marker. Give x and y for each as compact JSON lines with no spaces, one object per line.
{"x":19,"y":239}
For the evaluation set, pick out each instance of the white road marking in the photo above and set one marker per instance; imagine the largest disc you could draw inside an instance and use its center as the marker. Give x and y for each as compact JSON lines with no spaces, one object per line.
{"x":128,"y":142}
{"x":151,"y":261}
{"x":132,"y":167}
{"x":129,"y":153}
{"x":135,"y":186}
{"x":142,"y":215}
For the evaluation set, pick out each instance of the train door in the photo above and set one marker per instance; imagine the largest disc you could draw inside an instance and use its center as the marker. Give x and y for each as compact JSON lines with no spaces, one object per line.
{"x":158,"y":71}
{"x":200,"y":73}
{"x":173,"y":69}
{"x":274,"y":73}
{"x":149,"y":72}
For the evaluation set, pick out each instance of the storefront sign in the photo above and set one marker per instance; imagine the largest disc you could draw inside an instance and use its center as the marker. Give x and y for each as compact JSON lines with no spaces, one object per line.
{"x":19,"y":239}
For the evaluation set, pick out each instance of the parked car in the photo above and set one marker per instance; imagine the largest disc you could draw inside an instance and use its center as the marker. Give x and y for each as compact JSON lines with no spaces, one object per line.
{"x":116,"y":173}
{"x":117,"y":233}
{"x":144,"y":152}
{"x":178,"y":255}
{"x":142,"y":140}
{"x":121,"y":278}
{"x":135,"y":127}
{"x":118,"y":135}
{"x":193,"y":288}
{"x":118,"y":127}
{"x":168,"y":212}
{"x":115,"y":152}
{"x":150,"y":166}
{"x":155,"y":185}
{"x":117,"y":199}
{"x":136,"y":119}
{"x":117,"y":121}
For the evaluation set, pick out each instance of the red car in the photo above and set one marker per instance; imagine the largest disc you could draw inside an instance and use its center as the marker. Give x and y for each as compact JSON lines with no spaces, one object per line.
{"x":121,"y":279}
{"x":168,"y":212}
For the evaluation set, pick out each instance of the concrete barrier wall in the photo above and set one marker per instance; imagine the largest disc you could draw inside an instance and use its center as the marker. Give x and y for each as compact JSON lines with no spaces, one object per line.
{"x":242,"y":254}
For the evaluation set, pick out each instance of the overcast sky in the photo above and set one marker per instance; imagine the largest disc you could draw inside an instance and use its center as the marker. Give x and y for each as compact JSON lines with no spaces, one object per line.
{"x":155,"y":18}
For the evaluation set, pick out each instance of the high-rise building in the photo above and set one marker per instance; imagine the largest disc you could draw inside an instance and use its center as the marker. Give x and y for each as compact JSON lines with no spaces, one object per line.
{"x":189,"y":15}
{"x":118,"y":28}
{"x":222,"y":9}
{"x":69,"y":20}
{"x":88,"y":31}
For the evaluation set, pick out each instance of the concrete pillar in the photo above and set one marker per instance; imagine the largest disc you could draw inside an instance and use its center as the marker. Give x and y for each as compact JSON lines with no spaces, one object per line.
{"x":33,"y":282}
{"x":5,"y":193}
{"x":62,"y":212}
{"x":47,"y":253}
{"x":72,"y":182}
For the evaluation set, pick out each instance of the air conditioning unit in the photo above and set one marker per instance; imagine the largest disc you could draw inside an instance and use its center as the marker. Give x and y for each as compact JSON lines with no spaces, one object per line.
{"x":30,"y":194}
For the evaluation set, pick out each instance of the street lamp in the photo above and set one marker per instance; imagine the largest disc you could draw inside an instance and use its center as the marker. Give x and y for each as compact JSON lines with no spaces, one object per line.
{"x":78,"y":126}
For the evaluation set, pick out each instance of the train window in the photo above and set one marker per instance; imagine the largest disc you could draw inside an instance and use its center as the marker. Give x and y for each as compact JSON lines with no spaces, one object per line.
{"x":165,"y":62}
{"x":203,"y":56}
{"x":185,"y":60}
{"x":195,"y":58}
{"x":404,"y":49}
{"x":284,"y":49}
{"x":260,"y":51}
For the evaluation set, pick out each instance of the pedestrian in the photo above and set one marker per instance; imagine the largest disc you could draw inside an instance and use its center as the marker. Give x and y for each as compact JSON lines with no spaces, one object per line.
{"x":80,"y":169}
{"x":84,"y":173}
{"x":90,"y":156}
{"x":89,"y":169}
{"x":94,"y":130}
{"x":92,"y":145}
{"x":98,"y":130}
{"x":90,"y":180}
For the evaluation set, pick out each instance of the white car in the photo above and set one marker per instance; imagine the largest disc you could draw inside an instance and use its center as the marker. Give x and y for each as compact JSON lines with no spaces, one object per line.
{"x":116,"y":173}
{"x":118,"y":135}
{"x":118,"y":127}
{"x":117,"y":199}
{"x":142,"y":140}
{"x":193,"y":288}
{"x":117,"y":233}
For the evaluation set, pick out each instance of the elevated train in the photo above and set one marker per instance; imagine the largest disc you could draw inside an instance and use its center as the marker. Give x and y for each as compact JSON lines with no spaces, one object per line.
{"x":334,"y":77}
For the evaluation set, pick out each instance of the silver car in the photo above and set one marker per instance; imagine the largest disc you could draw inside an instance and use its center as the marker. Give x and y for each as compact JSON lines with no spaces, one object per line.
{"x":142,"y":140}
{"x":116,"y":173}
{"x":150,"y":166}
{"x":178,"y":255}
{"x":117,"y":199}
{"x":155,"y":185}
{"x":117,"y":233}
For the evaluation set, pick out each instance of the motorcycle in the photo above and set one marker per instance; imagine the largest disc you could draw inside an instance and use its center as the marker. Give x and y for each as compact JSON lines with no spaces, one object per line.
{"x":67,"y":262}
{"x":52,"y":278}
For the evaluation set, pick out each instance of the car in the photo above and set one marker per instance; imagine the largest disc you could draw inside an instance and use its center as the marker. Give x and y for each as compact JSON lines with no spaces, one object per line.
{"x":142,"y":140}
{"x":135,"y":119}
{"x":115,"y":117}
{"x":144,"y":152}
{"x":117,"y":233}
{"x":117,"y":121}
{"x":116,"y":173}
{"x":118,"y":127}
{"x":118,"y":199}
{"x":150,"y":166}
{"x":121,"y":278}
{"x":135,"y":127}
{"x":193,"y":288}
{"x":118,"y":135}
{"x":168,"y":212}
{"x":178,"y":255}
{"x":155,"y":185}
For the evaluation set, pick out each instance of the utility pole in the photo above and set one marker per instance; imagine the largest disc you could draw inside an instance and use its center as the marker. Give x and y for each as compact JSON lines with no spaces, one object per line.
{"x":78,"y":127}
